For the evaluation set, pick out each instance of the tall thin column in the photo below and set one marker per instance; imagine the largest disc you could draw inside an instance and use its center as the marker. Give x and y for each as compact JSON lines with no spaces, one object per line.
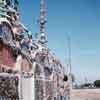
{"x":42,"y":21}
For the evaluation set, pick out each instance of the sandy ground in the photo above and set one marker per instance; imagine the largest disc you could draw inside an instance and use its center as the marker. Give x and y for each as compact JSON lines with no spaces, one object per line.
{"x":85,"y":94}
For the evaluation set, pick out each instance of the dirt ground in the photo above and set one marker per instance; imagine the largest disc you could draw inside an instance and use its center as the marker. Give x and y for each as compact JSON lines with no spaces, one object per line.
{"x":85,"y":94}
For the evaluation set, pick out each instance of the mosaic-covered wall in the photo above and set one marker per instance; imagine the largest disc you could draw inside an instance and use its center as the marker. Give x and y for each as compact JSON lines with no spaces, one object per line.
{"x":9,"y":87}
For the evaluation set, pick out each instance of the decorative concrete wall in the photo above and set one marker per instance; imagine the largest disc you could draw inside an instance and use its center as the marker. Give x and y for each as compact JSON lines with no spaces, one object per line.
{"x":6,"y":57}
{"x":9,"y":87}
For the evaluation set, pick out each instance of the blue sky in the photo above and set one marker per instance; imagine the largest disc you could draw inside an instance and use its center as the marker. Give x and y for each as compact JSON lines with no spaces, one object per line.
{"x":79,"y":18}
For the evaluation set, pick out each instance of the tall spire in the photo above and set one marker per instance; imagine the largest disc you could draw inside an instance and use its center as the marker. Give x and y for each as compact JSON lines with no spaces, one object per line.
{"x":42,"y":16}
{"x":42,"y":22}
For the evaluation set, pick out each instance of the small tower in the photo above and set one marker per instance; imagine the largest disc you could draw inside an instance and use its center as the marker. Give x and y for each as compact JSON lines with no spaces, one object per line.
{"x":42,"y":21}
